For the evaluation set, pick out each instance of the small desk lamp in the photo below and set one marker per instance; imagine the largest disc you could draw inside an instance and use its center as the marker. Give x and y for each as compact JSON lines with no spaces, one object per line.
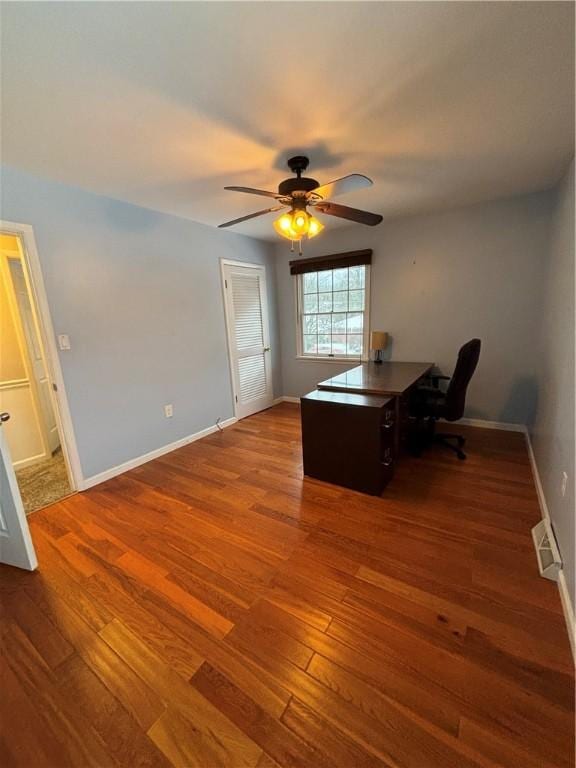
{"x":378,"y":342}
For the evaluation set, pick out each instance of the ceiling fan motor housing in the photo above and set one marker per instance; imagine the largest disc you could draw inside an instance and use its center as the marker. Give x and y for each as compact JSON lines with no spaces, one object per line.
{"x":290,"y":186}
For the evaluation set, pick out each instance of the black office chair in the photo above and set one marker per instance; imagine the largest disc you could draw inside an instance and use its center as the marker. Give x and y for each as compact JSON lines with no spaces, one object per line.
{"x":430,"y":403}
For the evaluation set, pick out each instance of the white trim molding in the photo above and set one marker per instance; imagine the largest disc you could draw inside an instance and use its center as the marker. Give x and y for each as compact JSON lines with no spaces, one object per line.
{"x":563,"y":588}
{"x":119,"y":469}
{"x":14,"y":384}
{"x":484,"y":424}
{"x":28,"y":462}
{"x":507,"y":427}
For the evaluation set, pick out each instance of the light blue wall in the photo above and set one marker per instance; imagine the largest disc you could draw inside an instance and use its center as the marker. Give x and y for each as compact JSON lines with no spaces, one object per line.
{"x":441,"y":279}
{"x":139,"y":293}
{"x":553,"y":428}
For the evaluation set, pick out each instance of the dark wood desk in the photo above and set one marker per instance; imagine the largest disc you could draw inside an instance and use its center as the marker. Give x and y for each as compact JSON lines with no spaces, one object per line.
{"x":390,"y":379}
{"x":347,"y":439}
{"x":353,"y":422}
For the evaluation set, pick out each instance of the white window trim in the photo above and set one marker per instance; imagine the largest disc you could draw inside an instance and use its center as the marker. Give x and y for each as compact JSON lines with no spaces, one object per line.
{"x":326,"y":358}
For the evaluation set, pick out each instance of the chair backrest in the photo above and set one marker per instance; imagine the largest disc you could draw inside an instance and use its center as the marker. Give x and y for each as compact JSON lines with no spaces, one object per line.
{"x":456,"y":392}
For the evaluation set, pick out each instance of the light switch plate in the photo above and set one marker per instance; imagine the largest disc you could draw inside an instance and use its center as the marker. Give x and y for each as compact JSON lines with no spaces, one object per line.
{"x":64,"y":341}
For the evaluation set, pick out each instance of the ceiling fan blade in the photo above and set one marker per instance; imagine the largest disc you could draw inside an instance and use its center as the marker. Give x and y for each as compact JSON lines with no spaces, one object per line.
{"x":341,"y":186}
{"x":250,"y":216}
{"x":353,"y":214}
{"x":251,"y":191}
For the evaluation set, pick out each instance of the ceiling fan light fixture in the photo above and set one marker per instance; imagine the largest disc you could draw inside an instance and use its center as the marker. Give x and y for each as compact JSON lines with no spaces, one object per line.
{"x":315,"y":226}
{"x":283,"y":226}
{"x":298,"y":223}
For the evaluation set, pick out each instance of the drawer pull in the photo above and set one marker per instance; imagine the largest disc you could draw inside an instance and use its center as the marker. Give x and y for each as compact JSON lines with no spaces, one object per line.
{"x":387,"y":425}
{"x":388,"y":458}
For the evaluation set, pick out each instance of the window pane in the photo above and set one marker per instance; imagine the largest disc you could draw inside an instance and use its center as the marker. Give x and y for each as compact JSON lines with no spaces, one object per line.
{"x":324,"y":344}
{"x":356,"y":300}
{"x":310,"y":302}
{"x":310,"y":344}
{"x":356,"y":276}
{"x":325,"y":280}
{"x":339,"y":323}
{"x":324,"y":324}
{"x":355,"y":322}
{"x":340,"y":277}
{"x":310,"y":324}
{"x":310,"y":282}
{"x":354,"y":344}
{"x":333,"y":306}
{"x":339,"y":344}
{"x":340,"y":301}
{"x":324,"y":302}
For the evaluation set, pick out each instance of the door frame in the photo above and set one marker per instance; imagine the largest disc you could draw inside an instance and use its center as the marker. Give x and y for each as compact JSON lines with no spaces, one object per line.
{"x":39,"y":299}
{"x":266,"y":318}
{"x":30,"y":378}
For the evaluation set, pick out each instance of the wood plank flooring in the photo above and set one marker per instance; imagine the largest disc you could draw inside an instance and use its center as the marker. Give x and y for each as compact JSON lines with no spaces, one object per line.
{"x":212,"y":608}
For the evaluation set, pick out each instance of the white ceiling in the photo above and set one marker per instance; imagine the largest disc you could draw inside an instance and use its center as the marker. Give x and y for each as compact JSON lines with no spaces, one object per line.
{"x":163,"y":104}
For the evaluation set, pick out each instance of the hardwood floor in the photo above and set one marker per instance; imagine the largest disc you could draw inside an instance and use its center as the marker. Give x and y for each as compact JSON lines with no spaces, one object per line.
{"x":212,"y":608}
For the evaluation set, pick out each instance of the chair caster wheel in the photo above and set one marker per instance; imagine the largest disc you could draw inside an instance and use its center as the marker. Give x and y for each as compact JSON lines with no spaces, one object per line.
{"x":461,"y":455}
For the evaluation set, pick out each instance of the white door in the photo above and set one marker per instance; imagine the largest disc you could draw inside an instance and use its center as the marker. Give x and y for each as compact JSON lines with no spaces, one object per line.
{"x":248,"y":336}
{"x":16,"y":547}
{"x":35,"y":354}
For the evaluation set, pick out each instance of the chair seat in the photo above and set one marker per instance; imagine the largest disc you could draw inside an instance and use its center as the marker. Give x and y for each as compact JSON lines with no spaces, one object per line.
{"x":427,"y":402}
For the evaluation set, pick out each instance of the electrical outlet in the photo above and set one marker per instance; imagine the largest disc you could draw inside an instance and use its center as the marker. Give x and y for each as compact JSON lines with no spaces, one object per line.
{"x":168,"y":411}
{"x":564,"y":483}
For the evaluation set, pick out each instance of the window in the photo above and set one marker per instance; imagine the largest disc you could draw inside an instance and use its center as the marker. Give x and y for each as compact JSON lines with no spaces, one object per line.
{"x":333,"y":312}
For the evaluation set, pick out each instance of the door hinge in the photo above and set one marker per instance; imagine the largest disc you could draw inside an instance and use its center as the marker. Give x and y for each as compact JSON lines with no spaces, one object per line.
{"x":54,"y":387}
{"x":226,"y":283}
{"x":236,"y":398}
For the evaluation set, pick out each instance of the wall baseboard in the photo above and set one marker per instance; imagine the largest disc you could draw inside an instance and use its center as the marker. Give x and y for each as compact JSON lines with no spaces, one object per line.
{"x":484,"y":424}
{"x":565,"y":597}
{"x":506,"y":426}
{"x":108,"y":474}
{"x":30,"y":461}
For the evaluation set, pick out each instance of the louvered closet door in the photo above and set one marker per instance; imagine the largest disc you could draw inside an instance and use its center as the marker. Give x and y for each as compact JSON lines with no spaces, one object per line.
{"x":248,"y":337}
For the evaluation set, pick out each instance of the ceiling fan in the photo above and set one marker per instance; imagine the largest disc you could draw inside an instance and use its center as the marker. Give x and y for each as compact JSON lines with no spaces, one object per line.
{"x":302,"y":193}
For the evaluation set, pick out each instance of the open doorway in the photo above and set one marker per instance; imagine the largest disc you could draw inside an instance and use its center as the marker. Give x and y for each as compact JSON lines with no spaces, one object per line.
{"x":33,"y":431}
